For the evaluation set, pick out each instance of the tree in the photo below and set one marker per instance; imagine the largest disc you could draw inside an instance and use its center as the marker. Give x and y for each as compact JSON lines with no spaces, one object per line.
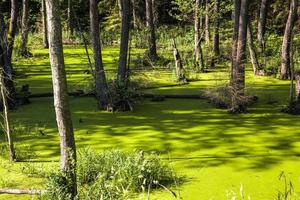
{"x":252,"y":51}
{"x":100,"y":79}
{"x":238,"y":68}
{"x":44,"y":22}
{"x":24,"y":29}
{"x":285,"y":50}
{"x":207,"y":32}
{"x":151,"y":30}
{"x":12,"y":27}
{"x":262,"y":24}
{"x":70,"y":24}
{"x":199,"y":62}
{"x":60,"y":93}
{"x":217,"y":27}
{"x":6,"y":63}
{"x":122,"y":69}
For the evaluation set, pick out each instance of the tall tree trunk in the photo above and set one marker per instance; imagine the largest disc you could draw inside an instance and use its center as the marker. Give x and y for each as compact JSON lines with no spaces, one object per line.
{"x":238,"y":78}
{"x":4,"y":94}
{"x":285,"y":51}
{"x":44,"y":22}
{"x":6,"y":64}
{"x":122,"y":69}
{"x":236,"y":19}
{"x":261,"y":29}
{"x":60,"y":93}
{"x":252,"y":51}
{"x":70,"y":18}
{"x":207,"y":33}
{"x":199,"y":62}
{"x":134,"y":14}
{"x":24,"y":26}
{"x":12,"y":27}
{"x":101,"y":85}
{"x":217,"y":27}
{"x":151,"y":30}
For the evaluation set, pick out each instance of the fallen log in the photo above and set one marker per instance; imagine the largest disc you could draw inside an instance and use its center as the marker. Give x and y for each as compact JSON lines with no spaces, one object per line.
{"x":21,"y":191}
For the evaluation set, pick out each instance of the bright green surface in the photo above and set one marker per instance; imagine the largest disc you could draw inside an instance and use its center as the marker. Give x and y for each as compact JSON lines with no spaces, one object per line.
{"x":219,"y":151}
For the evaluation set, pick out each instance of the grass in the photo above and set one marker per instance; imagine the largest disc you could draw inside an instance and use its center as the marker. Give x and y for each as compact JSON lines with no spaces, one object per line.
{"x":219,"y":153}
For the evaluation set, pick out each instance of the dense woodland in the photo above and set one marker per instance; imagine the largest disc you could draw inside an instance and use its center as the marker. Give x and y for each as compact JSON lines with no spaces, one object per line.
{"x":140,"y":99}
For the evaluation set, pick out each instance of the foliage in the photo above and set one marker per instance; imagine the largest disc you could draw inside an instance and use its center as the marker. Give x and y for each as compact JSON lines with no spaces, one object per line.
{"x":113,"y":175}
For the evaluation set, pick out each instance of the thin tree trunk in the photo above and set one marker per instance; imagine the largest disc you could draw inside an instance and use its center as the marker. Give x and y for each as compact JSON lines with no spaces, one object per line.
{"x":297,"y":88}
{"x":217,"y":27}
{"x":44,"y":22}
{"x":199,"y":62}
{"x":207,"y":33}
{"x":134,"y":14}
{"x":236,"y":19}
{"x":5,"y":95}
{"x":238,"y":79}
{"x":253,"y":54}
{"x":60,"y":92}
{"x":285,"y":52}
{"x":151,"y":30}
{"x":101,"y":85}
{"x":121,"y":77}
{"x":24,"y":49}
{"x":12,"y":27}
{"x":70,"y":18}
{"x":262,"y":24}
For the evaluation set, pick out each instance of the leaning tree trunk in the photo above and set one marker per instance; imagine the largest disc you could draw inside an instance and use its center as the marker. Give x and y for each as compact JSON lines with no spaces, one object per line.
{"x":44,"y":22}
{"x":207,"y":33}
{"x":151,"y":30}
{"x":24,"y":26}
{"x":252,"y":51}
{"x":122,"y":69}
{"x":101,"y":85}
{"x":217,"y":27}
{"x":60,"y":93}
{"x":4,"y":94}
{"x":285,"y":51}
{"x":6,"y":64}
{"x":12,"y":27}
{"x":238,"y":78}
{"x":199,"y":62}
{"x":261,"y":29}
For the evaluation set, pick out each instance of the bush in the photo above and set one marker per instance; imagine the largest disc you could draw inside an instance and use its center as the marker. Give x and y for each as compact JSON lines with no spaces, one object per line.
{"x":113,"y":174}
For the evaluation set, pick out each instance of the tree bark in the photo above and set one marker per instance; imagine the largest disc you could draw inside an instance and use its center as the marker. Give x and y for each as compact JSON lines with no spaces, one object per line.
{"x":12,"y":27}
{"x":199,"y":62}
{"x":207,"y":33}
{"x":151,"y":30}
{"x":217,"y":27}
{"x":285,"y":71}
{"x":5,"y":64}
{"x":261,"y":29}
{"x":70,"y":18}
{"x":178,"y":64}
{"x":297,"y":88}
{"x":134,"y":14}
{"x":5,"y":95}
{"x":122,"y":69}
{"x":101,"y":85}
{"x":44,"y":22}
{"x":238,"y":76}
{"x":24,"y":29}
{"x":252,"y":51}
{"x":60,"y":91}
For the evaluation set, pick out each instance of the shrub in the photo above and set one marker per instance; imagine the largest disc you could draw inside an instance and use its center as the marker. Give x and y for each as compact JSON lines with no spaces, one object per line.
{"x":113,"y":174}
